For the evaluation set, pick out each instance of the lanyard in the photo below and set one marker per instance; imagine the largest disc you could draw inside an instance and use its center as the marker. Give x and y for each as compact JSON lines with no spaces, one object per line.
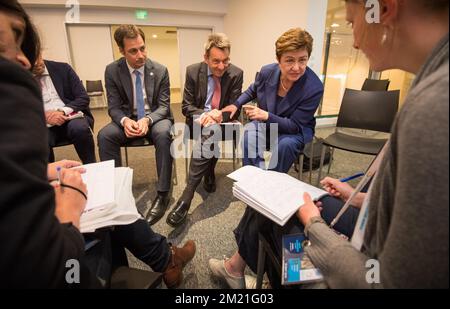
{"x":363,"y":214}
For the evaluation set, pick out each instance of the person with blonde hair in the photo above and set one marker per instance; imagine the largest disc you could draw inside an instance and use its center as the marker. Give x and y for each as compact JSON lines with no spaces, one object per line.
{"x":210,"y":86}
{"x":404,"y":223}
{"x":288,"y":94}
{"x":401,"y":235}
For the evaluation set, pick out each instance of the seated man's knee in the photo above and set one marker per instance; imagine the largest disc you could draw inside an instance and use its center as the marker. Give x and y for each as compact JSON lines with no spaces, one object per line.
{"x":290,"y":146}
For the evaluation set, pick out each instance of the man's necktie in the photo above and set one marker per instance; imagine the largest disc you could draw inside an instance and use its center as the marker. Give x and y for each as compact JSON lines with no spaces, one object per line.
{"x":215,"y":102}
{"x":140,"y":106}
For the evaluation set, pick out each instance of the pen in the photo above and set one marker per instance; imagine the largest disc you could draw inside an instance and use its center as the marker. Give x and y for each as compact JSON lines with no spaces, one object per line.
{"x":58,"y":174}
{"x":351,"y":177}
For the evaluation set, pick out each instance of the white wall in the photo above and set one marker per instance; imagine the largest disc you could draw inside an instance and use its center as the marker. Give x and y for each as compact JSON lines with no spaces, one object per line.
{"x":50,"y":23}
{"x":191,"y":42}
{"x":166,"y":53}
{"x":213,"y":7}
{"x":253,"y":27}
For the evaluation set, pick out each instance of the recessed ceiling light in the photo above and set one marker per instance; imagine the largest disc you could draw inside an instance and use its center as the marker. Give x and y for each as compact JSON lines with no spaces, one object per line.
{"x":155,"y":36}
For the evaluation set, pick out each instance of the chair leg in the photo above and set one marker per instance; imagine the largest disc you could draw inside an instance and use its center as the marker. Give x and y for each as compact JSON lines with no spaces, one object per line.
{"x":261,"y":263}
{"x":174,"y":172}
{"x":186,"y":163}
{"x":331,"y":160}
{"x":311,"y":161}
{"x":322,"y":158}
{"x":300,"y":166}
{"x":234,"y":157}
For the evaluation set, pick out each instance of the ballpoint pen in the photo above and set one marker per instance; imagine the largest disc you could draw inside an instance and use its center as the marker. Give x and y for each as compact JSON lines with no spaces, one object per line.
{"x":58,"y":175}
{"x":351,"y":177}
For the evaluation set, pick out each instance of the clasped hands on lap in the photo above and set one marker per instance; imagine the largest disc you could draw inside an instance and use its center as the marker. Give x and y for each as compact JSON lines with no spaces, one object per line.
{"x":55,"y":118}
{"x":134,"y":128}
{"x":70,"y":203}
{"x":209,"y":118}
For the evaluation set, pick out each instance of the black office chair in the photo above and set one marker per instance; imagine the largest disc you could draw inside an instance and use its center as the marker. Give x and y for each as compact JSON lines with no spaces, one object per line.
{"x":61,"y":143}
{"x":142,"y":142}
{"x":366,"y":110}
{"x":264,"y":250}
{"x":94,"y":88}
{"x":376,"y":84}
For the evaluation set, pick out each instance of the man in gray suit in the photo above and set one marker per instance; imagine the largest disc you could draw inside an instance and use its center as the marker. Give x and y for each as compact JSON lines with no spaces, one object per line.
{"x":210,"y":86}
{"x":138,"y":103}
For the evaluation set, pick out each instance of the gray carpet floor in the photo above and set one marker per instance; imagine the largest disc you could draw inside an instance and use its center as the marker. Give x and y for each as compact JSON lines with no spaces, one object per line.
{"x":212,"y":217}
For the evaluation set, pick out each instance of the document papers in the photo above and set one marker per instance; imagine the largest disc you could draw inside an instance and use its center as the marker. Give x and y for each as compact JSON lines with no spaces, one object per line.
{"x":275,"y":195}
{"x":110,"y":197}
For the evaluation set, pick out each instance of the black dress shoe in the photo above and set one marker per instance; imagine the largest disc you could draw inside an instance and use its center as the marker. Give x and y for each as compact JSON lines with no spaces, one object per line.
{"x":209,"y":183}
{"x":178,"y":214}
{"x":158,"y":209}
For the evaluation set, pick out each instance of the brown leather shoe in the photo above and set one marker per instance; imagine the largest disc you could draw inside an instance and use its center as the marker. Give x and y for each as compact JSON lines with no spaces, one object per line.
{"x":173,"y":276}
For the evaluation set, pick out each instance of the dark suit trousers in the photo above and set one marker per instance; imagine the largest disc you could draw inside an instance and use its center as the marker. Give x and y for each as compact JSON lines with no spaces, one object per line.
{"x":253,"y":223}
{"x":204,"y":158}
{"x":138,"y":237}
{"x":79,"y":133}
{"x":112,"y":137}
{"x":146,"y":245}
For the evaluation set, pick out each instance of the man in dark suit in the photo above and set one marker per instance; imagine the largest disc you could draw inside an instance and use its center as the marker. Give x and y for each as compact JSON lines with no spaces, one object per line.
{"x":210,"y":86}
{"x":138,"y":103}
{"x":64,"y":95}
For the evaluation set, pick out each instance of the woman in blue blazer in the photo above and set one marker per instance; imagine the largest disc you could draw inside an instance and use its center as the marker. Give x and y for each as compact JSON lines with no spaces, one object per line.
{"x":288,"y":94}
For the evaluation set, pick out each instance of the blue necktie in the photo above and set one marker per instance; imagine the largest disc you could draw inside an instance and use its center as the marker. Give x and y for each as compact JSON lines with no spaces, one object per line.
{"x":140,"y":106}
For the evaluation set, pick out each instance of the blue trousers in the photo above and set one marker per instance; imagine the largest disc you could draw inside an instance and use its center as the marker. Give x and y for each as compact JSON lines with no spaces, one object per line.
{"x":285,"y":148}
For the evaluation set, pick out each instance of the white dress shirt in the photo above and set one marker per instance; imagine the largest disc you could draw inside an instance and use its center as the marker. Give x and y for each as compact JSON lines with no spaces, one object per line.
{"x":52,"y":101}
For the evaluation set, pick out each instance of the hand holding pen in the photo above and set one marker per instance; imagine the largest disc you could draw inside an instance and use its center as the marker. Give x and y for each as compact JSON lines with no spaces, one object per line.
{"x":70,"y":196}
{"x":51,"y":168}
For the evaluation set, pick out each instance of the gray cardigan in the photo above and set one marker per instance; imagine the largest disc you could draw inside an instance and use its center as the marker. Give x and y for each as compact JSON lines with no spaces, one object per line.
{"x":408,"y":223}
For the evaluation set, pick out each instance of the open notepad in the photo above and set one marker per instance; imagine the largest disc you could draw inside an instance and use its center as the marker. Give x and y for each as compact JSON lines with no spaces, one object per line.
{"x":110,"y":197}
{"x":275,"y":195}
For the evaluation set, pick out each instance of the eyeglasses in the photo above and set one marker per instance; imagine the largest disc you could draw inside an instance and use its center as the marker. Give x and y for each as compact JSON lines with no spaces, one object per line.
{"x":217,"y":61}
{"x":291,"y":62}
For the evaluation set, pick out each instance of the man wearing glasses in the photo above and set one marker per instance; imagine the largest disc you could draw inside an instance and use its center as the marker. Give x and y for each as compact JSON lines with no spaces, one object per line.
{"x":210,"y":86}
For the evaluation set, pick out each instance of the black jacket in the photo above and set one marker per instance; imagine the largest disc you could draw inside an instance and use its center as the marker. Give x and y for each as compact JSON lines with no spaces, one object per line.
{"x":69,"y":88}
{"x":34,"y":245}
{"x":196,"y":88}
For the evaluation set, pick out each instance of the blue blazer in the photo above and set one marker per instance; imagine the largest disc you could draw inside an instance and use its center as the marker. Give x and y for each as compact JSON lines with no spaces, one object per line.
{"x":69,"y":88}
{"x":295,"y":113}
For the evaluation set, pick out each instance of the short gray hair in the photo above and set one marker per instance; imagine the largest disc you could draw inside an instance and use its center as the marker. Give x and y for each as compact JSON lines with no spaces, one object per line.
{"x":218,"y":40}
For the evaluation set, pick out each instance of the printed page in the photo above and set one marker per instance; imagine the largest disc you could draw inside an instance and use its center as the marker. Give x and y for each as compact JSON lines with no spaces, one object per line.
{"x":99,"y":179}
